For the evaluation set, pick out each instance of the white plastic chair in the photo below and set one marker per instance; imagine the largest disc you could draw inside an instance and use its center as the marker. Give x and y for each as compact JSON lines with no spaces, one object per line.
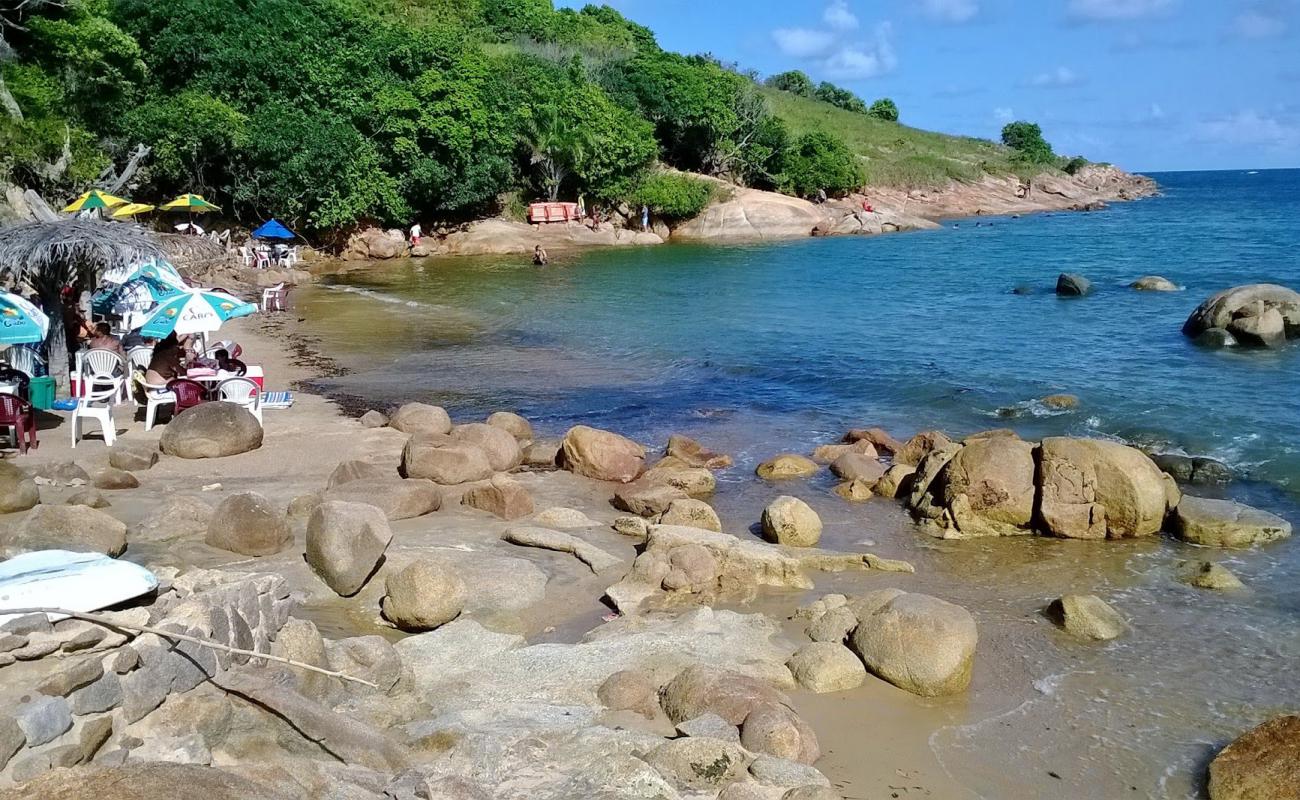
{"x":140,"y":356}
{"x":155,"y":396}
{"x":263,"y":258}
{"x":105,"y":366}
{"x":242,"y":392}
{"x":246,"y":255}
{"x":96,"y":402}
{"x":273,"y":297}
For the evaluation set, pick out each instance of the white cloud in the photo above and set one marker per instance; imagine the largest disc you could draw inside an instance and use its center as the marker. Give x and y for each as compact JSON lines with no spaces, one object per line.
{"x":840,"y":17}
{"x":1250,"y":128}
{"x":860,"y":61}
{"x":1004,"y":115}
{"x":1059,"y":78}
{"x":803,"y":42}
{"x":1117,"y":10}
{"x":1256,"y":23}
{"x":950,"y":10}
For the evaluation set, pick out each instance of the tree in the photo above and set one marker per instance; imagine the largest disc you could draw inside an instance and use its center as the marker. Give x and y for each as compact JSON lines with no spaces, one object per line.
{"x":1026,"y":138}
{"x":558,"y":141}
{"x":194,"y":137}
{"x":820,"y":162}
{"x":885,"y":109}
{"x":511,"y":18}
{"x":674,"y":196}
{"x":794,"y":82}
{"x":840,"y":98}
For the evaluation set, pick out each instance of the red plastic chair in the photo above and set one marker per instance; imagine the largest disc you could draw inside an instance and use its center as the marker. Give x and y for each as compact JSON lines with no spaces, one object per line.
{"x":17,"y":413}
{"x":188,"y":393}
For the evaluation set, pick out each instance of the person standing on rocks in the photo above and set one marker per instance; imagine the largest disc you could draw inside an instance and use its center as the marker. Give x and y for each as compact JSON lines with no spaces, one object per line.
{"x":645,"y":218}
{"x":416,"y":233}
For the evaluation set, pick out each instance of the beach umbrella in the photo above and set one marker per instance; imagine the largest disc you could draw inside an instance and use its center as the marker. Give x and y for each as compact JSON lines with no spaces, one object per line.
{"x":94,"y":199}
{"x":158,"y":269}
{"x":142,"y":293}
{"x":193,"y":203}
{"x":273,"y":229}
{"x":194,"y":311}
{"x":20,"y":321}
{"x":131,"y":209}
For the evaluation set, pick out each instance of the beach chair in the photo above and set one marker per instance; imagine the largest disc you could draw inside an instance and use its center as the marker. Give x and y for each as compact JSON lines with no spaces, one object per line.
{"x":242,"y":392}
{"x":246,"y":256}
{"x":102,"y":367}
{"x":273,"y":297}
{"x":188,"y":393}
{"x":17,"y":414}
{"x":98,"y":396}
{"x":139,"y":357}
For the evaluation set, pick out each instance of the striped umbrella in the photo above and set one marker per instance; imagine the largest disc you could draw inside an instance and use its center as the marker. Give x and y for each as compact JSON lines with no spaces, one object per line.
{"x":131,"y":209}
{"x":193,"y":203}
{"x":161,"y":271}
{"x":94,"y":199}
{"x":20,"y":321}
{"x":194,"y":311}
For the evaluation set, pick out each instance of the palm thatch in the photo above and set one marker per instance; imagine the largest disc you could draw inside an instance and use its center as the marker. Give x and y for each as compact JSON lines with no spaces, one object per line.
{"x":67,"y":250}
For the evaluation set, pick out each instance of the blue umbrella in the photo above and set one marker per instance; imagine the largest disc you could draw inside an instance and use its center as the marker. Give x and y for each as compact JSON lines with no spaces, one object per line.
{"x":272,"y":229}
{"x":20,"y":321}
{"x":194,"y":311}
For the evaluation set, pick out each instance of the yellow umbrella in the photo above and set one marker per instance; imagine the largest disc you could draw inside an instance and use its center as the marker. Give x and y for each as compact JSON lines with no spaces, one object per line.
{"x":94,"y":199}
{"x":131,"y":209}
{"x":193,"y":203}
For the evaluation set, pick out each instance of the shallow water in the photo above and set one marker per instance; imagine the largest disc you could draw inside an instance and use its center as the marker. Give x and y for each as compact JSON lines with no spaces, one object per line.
{"x":767,"y":348}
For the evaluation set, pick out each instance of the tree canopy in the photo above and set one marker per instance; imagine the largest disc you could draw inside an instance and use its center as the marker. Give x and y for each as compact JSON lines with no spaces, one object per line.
{"x":1026,"y":138}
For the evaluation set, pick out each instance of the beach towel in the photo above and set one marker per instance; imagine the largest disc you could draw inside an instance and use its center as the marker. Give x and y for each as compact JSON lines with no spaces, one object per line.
{"x":277,"y":399}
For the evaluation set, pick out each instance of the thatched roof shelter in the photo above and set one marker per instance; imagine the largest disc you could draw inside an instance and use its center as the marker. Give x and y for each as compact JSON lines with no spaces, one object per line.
{"x":60,"y":253}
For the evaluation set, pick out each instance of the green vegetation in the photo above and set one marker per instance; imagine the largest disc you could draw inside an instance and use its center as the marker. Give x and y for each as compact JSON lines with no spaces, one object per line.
{"x":840,"y":98}
{"x":885,"y":109}
{"x":794,"y":82}
{"x":819,"y":161}
{"x":1026,"y":138}
{"x":674,"y":196}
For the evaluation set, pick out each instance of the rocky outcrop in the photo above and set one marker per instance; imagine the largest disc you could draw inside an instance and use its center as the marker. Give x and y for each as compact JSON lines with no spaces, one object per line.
{"x":1224,"y":523}
{"x":751,"y":214}
{"x":374,"y":243}
{"x":785,"y":467}
{"x":507,"y":237}
{"x":602,"y":455}
{"x":211,"y":430}
{"x":1096,"y":489}
{"x":1258,"y":315}
{"x":1262,"y":764}
{"x":919,"y":643}
{"x":1087,"y":616}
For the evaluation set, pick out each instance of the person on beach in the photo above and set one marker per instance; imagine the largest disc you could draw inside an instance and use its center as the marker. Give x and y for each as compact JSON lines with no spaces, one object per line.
{"x":645,"y":218}
{"x":165,"y":365}
{"x":103,"y":339}
{"x":540,"y":258}
{"x":416,"y":233}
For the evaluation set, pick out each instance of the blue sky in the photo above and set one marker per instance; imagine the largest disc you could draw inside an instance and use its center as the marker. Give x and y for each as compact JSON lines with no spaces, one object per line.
{"x":1148,"y":84}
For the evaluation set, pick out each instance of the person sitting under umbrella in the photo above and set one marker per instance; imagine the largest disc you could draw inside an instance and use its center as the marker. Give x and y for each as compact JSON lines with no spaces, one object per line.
{"x":103,"y":339}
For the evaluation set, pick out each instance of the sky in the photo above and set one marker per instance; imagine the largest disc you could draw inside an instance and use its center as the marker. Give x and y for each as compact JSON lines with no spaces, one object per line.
{"x":1150,"y":85}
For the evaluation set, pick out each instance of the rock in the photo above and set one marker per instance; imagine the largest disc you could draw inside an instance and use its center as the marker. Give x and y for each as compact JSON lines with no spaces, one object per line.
{"x":436,"y":458}
{"x":691,"y":514}
{"x":878,"y":437}
{"x":986,"y":489}
{"x":300,"y":640}
{"x":374,"y":243}
{"x":397,"y":498}
{"x":711,"y":726}
{"x":543,"y":454}
{"x":828,"y":453}
{"x":1208,"y":575}
{"x":699,"y":690}
{"x":80,"y":529}
{"x":812,"y":793}
{"x":647,"y":501}
{"x":211,"y":430}
{"x":502,"y":497}
{"x":89,"y":498}
{"x":1224,"y":523}
{"x":784,"y":773}
{"x":500,"y":446}
{"x":1266,"y":328}
{"x":1220,"y":310}
{"x":370,"y":658}
{"x":896,"y":482}
{"x":373,"y":419}
{"x":103,"y":695}
{"x":751,"y":214}
{"x":132,"y":457}
{"x":919,"y":643}
{"x":421,"y":419}
{"x":1180,"y":467}
{"x":602,"y":455}
{"x":632,"y":526}
{"x":187,"y":749}
{"x":560,"y":518}
{"x":630,"y":690}
{"x":827,"y":667}
{"x":693,"y":764}
{"x":920,"y":446}
{"x":179,"y":517}
{"x":785,"y":467}
{"x":42,"y":718}
{"x":66,"y":473}
{"x":855,"y":491}
{"x":18,"y":492}
{"x":858,"y":467}
{"x":1060,"y":401}
{"x":249,"y":525}
{"x":112,"y":478}
{"x":354,"y":470}
{"x":1087,"y":616}
{"x":1262,"y":764}
{"x":589,"y":554}
{"x":790,"y":521}
{"x":776,"y":730}
{"x":1209,"y":471}
{"x":1095,"y":489}
{"x":691,"y":568}
{"x":834,"y":625}
{"x":1214,"y":339}
{"x":692,"y":453}
{"x":12,"y":739}
{"x":1153,"y":283}
{"x":135,"y":780}
{"x":694,"y":481}
{"x":1072,"y":285}
{"x":423,"y":596}
{"x":345,"y":542}
{"x":512,"y":424}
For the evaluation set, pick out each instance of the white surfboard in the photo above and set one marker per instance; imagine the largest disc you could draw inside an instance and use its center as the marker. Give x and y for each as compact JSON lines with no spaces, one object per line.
{"x":73,"y":581}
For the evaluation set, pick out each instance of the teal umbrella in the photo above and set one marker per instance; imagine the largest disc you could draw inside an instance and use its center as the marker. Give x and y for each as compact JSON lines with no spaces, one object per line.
{"x":20,"y":321}
{"x":194,"y":311}
{"x":137,"y":294}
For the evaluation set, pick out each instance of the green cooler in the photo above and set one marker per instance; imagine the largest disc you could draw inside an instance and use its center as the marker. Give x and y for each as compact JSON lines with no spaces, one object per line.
{"x":41,"y":392}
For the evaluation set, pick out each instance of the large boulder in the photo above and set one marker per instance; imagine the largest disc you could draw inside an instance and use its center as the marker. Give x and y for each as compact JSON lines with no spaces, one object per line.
{"x":1258,"y":325}
{"x":18,"y":492}
{"x":80,"y":529}
{"x":920,"y":446}
{"x":858,"y":467}
{"x":375,"y":243}
{"x":500,"y":446}
{"x":424,"y":595}
{"x":785,"y":467}
{"x":112,"y":478}
{"x":416,"y":418}
{"x":691,"y":514}
{"x":919,"y":643}
{"x":647,"y":501}
{"x":1224,"y":523}
{"x":790,"y":521}
{"x":696,"y":482}
{"x":1096,"y":489}
{"x":1069,"y":284}
{"x":602,"y":455}
{"x":775,"y":730}
{"x":1219,"y":312}
{"x":345,"y":542}
{"x":248,"y":524}
{"x":693,"y":454}
{"x":512,"y":424}
{"x":987,"y":489}
{"x":502,"y":497}
{"x":751,"y":214}
{"x":211,"y":430}
{"x":397,"y":498}
{"x":827,"y":666}
{"x":1087,"y":616}
{"x":444,"y":461}
{"x":1262,"y":764}
{"x":896,"y":482}
{"x":700,"y":689}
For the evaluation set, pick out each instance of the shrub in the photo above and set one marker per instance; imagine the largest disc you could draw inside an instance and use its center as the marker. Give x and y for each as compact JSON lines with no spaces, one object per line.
{"x":1075,"y":164}
{"x":1026,"y":138}
{"x":673,"y":196}
{"x":820,"y":161}
{"x":841,"y":98}
{"x":885,"y":109}
{"x":794,"y":82}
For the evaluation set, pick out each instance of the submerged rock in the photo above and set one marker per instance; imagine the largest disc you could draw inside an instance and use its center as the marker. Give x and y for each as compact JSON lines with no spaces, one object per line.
{"x":919,"y":643}
{"x":786,"y":466}
{"x":1209,"y":575}
{"x":1087,"y":616}
{"x":790,"y":521}
{"x":1224,"y":523}
{"x":1072,"y":285}
{"x":694,"y":454}
{"x":1153,"y":283}
{"x":1262,"y":764}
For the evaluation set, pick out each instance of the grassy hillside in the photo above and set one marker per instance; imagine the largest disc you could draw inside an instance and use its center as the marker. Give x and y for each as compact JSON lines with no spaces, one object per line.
{"x":893,"y":154}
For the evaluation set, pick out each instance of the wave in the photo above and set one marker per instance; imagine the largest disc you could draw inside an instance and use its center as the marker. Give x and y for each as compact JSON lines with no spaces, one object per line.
{"x":373,"y":295}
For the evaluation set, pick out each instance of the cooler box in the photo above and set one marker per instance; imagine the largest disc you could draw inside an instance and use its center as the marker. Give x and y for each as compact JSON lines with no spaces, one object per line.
{"x":41,"y":392}
{"x":254,"y":374}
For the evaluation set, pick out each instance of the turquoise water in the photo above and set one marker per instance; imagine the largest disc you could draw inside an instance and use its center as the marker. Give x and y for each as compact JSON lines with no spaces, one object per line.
{"x":911,"y":331}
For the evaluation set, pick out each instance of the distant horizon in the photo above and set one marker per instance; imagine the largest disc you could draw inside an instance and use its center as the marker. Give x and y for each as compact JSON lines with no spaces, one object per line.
{"x":1227,"y":169}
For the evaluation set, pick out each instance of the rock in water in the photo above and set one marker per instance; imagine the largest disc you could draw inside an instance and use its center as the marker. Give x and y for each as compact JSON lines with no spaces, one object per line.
{"x":1224,"y":523}
{"x":512,"y":424}
{"x":1087,"y":616}
{"x":1258,"y":326}
{"x":1096,"y":489}
{"x":1219,"y":312}
{"x":878,"y":437}
{"x":1263,"y":764}
{"x":1215,"y":339}
{"x":786,"y":466}
{"x":858,"y":467}
{"x":647,"y":501}
{"x":420,"y":418}
{"x":1208,"y":575}
{"x":790,"y":521}
{"x":602,"y":455}
{"x":1072,"y":285}
{"x":345,"y":542}
{"x":1060,"y":401}
{"x":897,"y":482}
{"x":827,"y":667}
{"x":423,"y":596}
{"x":1153,"y":283}
{"x":502,"y":449}
{"x":80,"y":529}
{"x":986,"y":489}
{"x":919,"y":643}
{"x":920,"y":446}
{"x":694,"y":454}
{"x":248,"y":524}
{"x":18,"y":492}
{"x":503,"y":497}
{"x":855,"y":491}
{"x":211,"y":430}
